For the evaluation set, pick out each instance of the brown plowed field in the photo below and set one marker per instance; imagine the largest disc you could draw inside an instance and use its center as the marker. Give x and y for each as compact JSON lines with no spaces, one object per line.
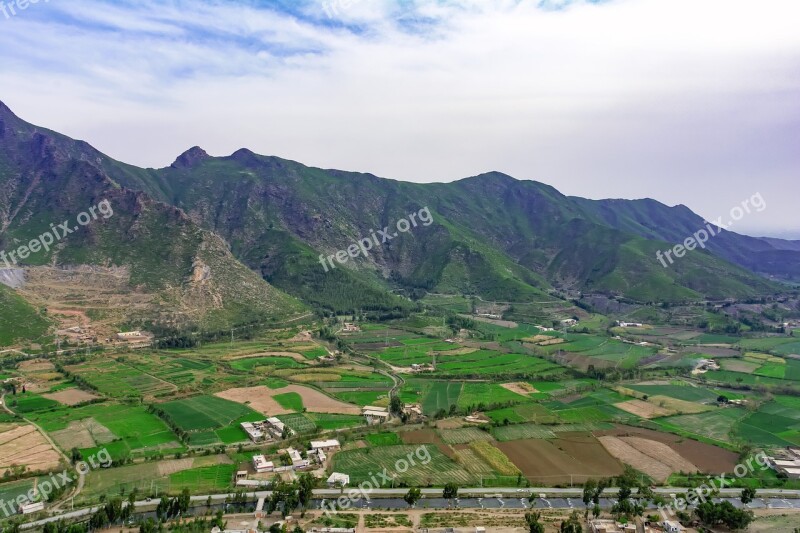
{"x":261,"y":399}
{"x":24,"y":445}
{"x":655,"y":459}
{"x":708,"y":458}
{"x":426,"y":436}
{"x":71,"y":396}
{"x":554,"y":461}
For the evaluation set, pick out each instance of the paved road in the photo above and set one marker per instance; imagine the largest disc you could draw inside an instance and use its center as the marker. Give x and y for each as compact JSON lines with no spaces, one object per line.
{"x":510,"y":493}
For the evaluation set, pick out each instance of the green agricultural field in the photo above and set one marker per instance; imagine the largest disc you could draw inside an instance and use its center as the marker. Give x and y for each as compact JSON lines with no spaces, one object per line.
{"x":441,"y":395}
{"x":528,"y":412}
{"x":265,"y":363}
{"x":383,"y":439}
{"x":119,"y":380}
{"x":464,"y":435}
{"x":792,"y":348}
{"x":137,"y":429}
{"x":583,"y":414}
{"x":547,"y":386}
{"x":491,"y":363}
{"x":764,"y":428}
{"x":772,"y":370}
{"x":207,"y":412}
{"x":475,"y":394}
{"x":362,"y":464}
{"x":724,"y":376}
{"x":522,"y":431}
{"x":362,"y":398}
{"x":335,"y":421}
{"x":298,"y":423}
{"x":767,"y":344}
{"x":290,"y":400}
{"x":503,"y":334}
{"x":232,"y":434}
{"x":715,"y":425}
{"x":680,"y":391}
{"x":316,"y":353}
{"x":30,"y":403}
{"x":203,"y":480}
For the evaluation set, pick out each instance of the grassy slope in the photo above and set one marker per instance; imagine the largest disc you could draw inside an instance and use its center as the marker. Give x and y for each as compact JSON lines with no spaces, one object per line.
{"x":18,"y":319}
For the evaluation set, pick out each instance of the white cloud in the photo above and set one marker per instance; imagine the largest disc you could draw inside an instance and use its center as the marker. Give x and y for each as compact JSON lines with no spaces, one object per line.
{"x":688,"y":101}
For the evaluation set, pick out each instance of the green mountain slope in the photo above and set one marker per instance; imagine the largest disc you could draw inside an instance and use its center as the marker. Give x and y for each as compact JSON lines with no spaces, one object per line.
{"x":189,"y":273}
{"x":19,"y":320}
{"x":491,"y":235}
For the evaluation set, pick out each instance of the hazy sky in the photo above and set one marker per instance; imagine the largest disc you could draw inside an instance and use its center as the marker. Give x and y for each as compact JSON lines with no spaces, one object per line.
{"x":686,"y":101}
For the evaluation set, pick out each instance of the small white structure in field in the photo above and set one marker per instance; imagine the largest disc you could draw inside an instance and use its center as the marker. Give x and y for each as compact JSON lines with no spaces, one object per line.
{"x":338,"y":480}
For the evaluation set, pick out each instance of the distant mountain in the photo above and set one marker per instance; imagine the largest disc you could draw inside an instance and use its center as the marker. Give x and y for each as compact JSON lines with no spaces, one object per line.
{"x":491,"y":235}
{"x":653,"y":220}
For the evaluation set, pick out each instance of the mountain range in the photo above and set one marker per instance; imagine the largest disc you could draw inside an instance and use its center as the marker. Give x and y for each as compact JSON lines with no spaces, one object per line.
{"x":218,"y":241}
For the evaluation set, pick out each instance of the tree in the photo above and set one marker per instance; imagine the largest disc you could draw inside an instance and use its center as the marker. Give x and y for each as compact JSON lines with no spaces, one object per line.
{"x":396,"y":405}
{"x":450,"y":491}
{"x":573,"y":525}
{"x":183,"y":501}
{"x":748,"y":495}
{"x":412,"y":496}
{"x":534,"y":526}
{"x":306,"y":489}
{"x":589,"y":488}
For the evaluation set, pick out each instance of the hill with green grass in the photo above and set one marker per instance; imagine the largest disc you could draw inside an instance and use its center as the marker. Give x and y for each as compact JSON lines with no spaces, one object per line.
{"x":220,"y":239}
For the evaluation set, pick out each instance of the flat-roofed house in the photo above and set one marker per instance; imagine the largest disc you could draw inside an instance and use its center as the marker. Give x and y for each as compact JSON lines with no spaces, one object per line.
{"x":261,"y":465}
{"x":375,"y":415}
{"x":330,"y":445}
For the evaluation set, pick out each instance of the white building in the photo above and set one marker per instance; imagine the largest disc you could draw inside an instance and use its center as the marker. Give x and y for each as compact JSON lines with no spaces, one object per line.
{"x":129,"y":335}
{"x":261,"y":465}
{"x":671,"y":526}
{"x":30,"y":508}
{"x":375,"y":415}
{"x":297,"y":459}
{"x":253,"y":430}
{"x":326,"y":445}
{"x":337,"y":479}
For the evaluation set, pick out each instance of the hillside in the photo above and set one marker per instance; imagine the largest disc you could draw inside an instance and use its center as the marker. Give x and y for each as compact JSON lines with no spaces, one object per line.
{"x":179,"y":231}
{"x":187,"y":274}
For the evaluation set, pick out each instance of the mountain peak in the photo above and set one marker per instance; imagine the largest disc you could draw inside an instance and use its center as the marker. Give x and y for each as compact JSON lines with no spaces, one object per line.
{"x":191,"y":157}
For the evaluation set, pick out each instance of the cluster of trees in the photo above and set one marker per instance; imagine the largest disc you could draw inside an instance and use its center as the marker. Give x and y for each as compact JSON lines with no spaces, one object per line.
{"x":198,"y":525}
{"x":289,"y":496}
{"x":724,"y":513}
{"x":114,"y":511}
{"x":571,"y":525}
{"x":626,"y":505}
{"x":173,"y":507}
